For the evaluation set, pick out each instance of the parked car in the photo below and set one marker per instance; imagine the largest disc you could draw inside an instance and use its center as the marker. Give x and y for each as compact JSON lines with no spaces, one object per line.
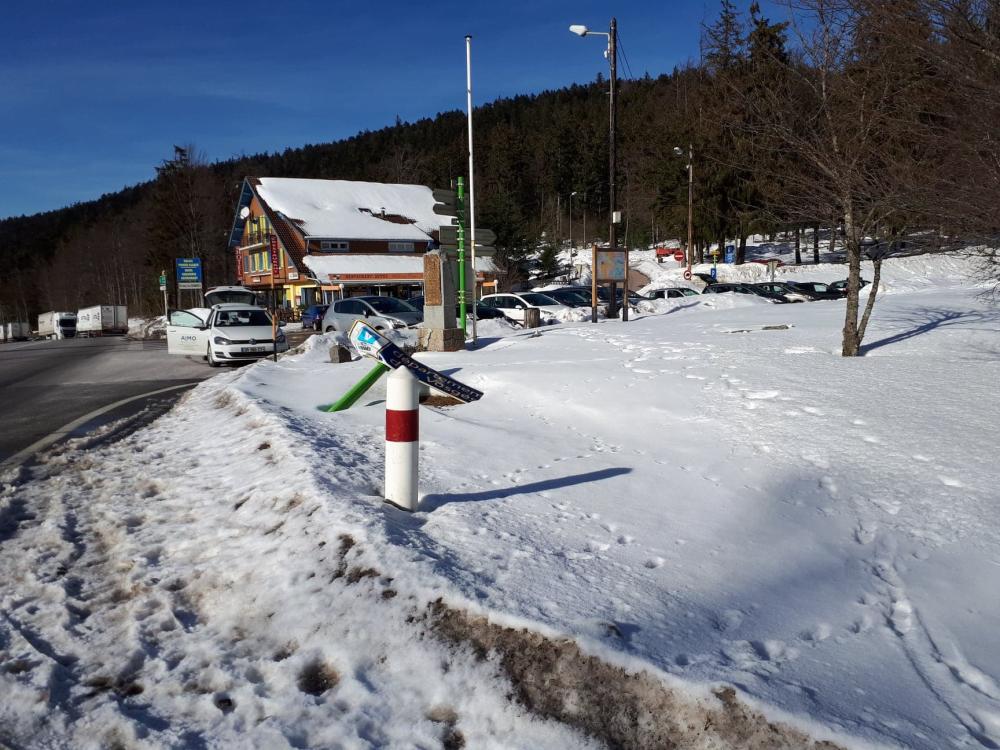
{"x":569,"y":297}
{"x":312,"y":317}
{"x":381,"y":313}
{"x":727,"y":288}
{"x":673,"y":293}
{"x":231,"y":332}
{"x":706,"y":278}
{"x":816,"y":290}
{"x":513,"y":305}
{"x":780,"y":290}
{"x":603,"y":295}
{"x":841,"y":286}
{"x":482,"y":312}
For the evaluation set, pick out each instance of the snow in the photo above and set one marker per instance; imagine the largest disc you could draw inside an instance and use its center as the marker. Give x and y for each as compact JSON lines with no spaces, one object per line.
{"x":342,"y":209}
{"x":708,"y":492}
{"x":326,"y":266}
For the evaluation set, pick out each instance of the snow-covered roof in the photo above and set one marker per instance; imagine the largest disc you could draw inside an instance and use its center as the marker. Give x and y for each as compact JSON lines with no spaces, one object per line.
{"x":324,"y":266}
{"x":342,"y":209}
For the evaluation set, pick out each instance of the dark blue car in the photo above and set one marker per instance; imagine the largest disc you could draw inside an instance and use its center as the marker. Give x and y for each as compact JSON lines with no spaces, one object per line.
{"x":313,"y":316}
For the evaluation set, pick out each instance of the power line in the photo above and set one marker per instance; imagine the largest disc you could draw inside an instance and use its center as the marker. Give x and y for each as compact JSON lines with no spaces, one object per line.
{"x":621,"y":51}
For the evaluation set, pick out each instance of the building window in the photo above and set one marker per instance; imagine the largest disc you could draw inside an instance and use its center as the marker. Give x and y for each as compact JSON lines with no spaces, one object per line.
{"x":400,"y":247}
{"x":334,"y":246}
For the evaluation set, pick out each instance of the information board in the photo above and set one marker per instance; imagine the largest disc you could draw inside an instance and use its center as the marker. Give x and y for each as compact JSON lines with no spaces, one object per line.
{"x":188,"y":273}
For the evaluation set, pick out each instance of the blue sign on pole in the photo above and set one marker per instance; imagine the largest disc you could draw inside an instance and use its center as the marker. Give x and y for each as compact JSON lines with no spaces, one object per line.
{"x":711,"y":272}
{"x":188,"y":273}
{"x":730,"y":253}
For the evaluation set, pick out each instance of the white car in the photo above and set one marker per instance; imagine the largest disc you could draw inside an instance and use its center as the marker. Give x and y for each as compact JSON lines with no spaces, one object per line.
{"x":231,"y":332}
{"x":381,"y":313}
{"x":513,"y":305}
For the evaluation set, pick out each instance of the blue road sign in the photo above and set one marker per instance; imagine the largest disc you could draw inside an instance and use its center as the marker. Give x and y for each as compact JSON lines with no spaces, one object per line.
{"x":711,"y":273}
{"x":188,"y":273}
{"x":730,"y":253}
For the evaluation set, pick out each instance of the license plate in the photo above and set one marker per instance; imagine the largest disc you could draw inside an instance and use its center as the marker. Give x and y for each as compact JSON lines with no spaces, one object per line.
{"x":252,"y":349}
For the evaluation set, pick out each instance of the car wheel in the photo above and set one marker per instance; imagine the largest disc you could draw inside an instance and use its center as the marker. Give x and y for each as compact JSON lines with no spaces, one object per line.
{"x":212,"y":361}
{"x":330,"y":329}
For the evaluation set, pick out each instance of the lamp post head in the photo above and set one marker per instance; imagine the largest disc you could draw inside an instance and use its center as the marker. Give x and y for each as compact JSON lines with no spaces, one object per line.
{"x":578,"y":29}
{"x":572,"y":194}
{"x":678,"y":151}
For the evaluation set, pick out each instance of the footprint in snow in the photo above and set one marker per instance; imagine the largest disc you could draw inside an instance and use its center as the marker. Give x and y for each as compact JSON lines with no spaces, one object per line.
{"x":728,"y":620}
{"x":654,"y":562}
{"x":921,"y":457}
{"x":872,"y":439}
{"x":950,"y":481}
{"x":812,"y":410}
{"x":626,"y":539}
{"x":819,"y":632}
{"x":828,"y":484}
{"x":761,"y":395}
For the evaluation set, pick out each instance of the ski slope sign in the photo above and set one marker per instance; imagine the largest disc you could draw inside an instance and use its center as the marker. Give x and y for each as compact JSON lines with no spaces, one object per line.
{"x":371,"y":343}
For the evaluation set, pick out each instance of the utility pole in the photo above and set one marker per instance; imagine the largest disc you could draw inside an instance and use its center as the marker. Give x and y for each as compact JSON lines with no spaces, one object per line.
{"x":613,"y":167}
{"x":690,"y":247}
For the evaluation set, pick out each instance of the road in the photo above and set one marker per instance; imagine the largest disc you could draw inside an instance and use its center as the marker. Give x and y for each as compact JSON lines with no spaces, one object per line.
{"x":44,"y":385}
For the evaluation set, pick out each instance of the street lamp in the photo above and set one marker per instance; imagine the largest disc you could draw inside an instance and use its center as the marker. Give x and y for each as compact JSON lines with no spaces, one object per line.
{"x":612,"y":55}
{"x":678,"y":151}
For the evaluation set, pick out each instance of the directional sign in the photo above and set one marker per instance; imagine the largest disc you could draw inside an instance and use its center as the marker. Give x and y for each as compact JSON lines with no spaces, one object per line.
{"x":188,"y":273}
{"x":371,"y":343}
{"x":449,"y":236}
{"x":447,"y":203}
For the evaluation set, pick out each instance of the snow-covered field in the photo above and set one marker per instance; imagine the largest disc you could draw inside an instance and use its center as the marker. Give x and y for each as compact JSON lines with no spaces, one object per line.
{"x":708,"y":492}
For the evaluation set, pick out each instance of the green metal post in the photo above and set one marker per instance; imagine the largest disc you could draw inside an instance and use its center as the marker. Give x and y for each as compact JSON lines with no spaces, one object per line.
{"x":461,"y":253}
{"x":357,"y":391}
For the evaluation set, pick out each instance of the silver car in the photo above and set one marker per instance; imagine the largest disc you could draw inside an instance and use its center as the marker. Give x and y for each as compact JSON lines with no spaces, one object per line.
{"x":381,"y":313}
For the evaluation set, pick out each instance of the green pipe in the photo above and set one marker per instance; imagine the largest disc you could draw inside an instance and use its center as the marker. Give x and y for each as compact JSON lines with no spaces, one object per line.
{"x":358,"y":390}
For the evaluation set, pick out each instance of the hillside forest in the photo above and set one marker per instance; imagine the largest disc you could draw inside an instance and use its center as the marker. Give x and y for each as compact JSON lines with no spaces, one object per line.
{"x":877,"y":118}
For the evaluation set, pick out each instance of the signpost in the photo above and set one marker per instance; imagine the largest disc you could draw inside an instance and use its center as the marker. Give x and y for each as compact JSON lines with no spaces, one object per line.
{"x":608,"y":265}
{"x":163,"y":288}
{"x":188,"y":275}
{"x":679,"y":256}
{"x":275,"y":256}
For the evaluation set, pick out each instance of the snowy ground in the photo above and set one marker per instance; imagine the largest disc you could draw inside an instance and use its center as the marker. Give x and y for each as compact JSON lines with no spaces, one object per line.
{"x":687,"y":492}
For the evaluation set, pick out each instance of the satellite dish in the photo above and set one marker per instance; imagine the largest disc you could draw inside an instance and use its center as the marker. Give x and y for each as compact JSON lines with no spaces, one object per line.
{"x":244,"y":212}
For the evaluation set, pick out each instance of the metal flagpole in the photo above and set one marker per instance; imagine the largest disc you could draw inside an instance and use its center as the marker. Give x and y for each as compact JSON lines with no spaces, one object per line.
{"x":472,"y":194}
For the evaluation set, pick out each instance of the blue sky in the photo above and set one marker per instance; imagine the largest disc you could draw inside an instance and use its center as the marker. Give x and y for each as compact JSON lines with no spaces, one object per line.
{"x":95,"y":94}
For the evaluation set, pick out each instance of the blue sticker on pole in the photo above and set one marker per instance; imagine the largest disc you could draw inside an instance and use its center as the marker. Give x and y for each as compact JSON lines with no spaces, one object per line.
{"x":711,"y":272}
{"x":730,"y":253}
{"x":188,"y":273}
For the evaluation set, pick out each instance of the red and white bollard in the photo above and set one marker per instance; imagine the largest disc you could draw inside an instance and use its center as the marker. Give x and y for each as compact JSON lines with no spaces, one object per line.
{"x":402,"y":438}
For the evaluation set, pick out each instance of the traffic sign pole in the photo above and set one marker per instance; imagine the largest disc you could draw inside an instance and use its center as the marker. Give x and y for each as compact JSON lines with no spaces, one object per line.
{"x":461,"y":255}
{"x":163,"y":288}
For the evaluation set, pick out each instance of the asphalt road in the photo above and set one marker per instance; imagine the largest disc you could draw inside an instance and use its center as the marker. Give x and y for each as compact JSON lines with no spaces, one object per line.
{"x":46,"y":384}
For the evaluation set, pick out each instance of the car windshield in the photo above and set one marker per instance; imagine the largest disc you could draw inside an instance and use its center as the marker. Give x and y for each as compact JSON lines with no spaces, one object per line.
{"x":538,"y":299}
{"x":248,"y":317}
{"x":386,"y":305}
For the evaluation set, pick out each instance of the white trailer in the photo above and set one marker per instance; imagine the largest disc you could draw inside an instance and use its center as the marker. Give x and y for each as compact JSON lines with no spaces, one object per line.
{"x":102,"y":320}
{"x":57,"y":325}
{"x":15,"y":331}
